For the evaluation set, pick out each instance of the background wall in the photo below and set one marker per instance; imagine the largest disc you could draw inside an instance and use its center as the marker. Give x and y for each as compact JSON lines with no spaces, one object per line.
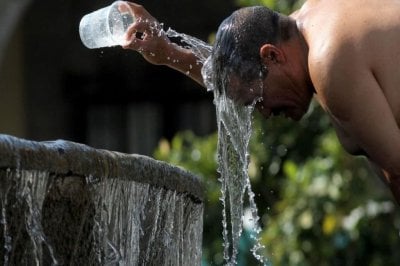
{"x":53,"y":87}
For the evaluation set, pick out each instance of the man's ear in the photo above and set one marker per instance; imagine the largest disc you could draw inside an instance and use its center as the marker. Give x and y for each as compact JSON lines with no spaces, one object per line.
{"x":270,"y":54}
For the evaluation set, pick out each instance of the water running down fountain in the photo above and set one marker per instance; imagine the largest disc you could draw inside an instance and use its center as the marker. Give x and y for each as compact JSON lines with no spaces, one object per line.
{"x":64,"y":203}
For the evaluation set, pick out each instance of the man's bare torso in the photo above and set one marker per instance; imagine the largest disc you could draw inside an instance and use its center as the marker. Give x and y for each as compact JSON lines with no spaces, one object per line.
{"x":363,"y":32}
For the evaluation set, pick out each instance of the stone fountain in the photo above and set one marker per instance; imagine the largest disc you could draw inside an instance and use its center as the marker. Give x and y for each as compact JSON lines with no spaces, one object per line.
{"x":64,"y":203}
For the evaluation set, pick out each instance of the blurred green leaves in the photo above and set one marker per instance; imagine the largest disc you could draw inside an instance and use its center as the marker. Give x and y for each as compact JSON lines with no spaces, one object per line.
{"x":318,"y":205}
{"x":282,"y":6}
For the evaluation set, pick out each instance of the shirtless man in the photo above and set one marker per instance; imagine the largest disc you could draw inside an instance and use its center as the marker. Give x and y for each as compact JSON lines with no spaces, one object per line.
{"x":345,"y":53}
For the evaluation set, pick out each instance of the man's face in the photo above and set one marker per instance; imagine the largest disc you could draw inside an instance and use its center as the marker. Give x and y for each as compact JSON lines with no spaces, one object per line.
{"x":272,"y":98}
{"x":244,"y":94}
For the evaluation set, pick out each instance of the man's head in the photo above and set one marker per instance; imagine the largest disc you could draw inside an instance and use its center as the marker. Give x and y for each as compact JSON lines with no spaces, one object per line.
{"x":248,"y":44}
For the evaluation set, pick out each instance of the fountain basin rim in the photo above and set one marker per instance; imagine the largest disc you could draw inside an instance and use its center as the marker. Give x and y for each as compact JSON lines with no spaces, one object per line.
{"x":63,"y":157}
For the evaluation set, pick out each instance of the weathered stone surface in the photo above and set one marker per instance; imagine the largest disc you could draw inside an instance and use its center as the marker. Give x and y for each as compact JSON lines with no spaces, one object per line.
{"x":66,"y":203}
{"x":69,"y":158}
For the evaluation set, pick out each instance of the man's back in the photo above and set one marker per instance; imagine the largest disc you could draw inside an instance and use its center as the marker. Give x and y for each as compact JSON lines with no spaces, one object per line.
{"x":365,"y":32}
{"x":353,"y":60}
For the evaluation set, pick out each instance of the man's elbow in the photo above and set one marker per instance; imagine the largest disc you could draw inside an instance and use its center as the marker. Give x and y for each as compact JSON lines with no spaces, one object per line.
{"x":391,"y":165}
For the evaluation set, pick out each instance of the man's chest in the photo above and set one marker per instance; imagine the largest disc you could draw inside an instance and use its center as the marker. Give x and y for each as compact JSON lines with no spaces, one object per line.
{"x":348,"y":142}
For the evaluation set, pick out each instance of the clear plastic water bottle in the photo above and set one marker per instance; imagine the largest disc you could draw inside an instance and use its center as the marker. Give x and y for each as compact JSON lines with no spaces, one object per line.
{"x":107,"y":26}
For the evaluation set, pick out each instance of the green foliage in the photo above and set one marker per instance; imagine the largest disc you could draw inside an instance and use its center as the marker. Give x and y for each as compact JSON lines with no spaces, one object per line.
{"x":283,"y":6}
{"x":329,"y":209}
{"x":318,"y":205}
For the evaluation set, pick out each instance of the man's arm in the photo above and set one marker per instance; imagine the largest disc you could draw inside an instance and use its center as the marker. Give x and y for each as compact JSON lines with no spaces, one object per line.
{"x":147,"y":37}
{"x":378,"y":171}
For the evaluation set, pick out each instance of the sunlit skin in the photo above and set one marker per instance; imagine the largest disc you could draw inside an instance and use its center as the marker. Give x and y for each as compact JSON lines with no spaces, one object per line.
{"x":344,"y":53}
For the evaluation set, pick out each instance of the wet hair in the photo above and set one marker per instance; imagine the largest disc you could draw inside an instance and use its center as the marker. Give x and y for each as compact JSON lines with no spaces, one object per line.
{"x":238,"y":41}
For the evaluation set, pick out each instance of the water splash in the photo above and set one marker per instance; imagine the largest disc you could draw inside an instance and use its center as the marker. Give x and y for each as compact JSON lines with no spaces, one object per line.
{"x":201,"y":49}
{"x":4,"y":191}
{"x":234,"y":133}
{"x":158,"y":212}
{"x":23,"y":194}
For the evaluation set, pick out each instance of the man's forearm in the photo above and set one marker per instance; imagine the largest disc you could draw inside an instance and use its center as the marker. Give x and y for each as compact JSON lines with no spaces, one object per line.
{"x":146,"y":36}
{"x":378,"y":171}
{"x":393,"y":182}
{"x":185,"y":61}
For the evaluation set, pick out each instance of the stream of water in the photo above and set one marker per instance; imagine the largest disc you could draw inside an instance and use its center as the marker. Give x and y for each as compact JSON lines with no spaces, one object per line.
{"x":22,"y":195}
{"x":234,"y":133}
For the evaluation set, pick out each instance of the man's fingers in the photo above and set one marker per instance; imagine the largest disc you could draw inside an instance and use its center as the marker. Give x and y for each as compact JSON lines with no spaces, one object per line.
{"x":135,"y":44}
{"x":124,"y":7}
{"x":135,"y":7}
{"x":140,"y":25}
{"x":130,"y":33}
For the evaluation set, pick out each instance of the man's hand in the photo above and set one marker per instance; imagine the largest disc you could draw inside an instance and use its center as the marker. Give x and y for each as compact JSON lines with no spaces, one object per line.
{"x":147,"y":37}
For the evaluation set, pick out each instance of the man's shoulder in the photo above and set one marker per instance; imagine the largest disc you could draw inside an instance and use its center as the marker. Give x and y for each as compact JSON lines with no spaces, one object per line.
{"x":331,"y":57}
{"x":332,"y":69}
